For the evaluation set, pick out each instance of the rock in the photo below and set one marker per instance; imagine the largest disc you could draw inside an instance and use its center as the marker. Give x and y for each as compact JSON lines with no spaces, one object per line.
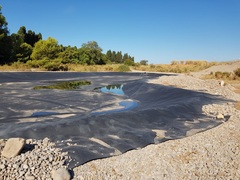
{"x":61,"y":174}
{"x":25,"y":166}
{"x":29,"y":177}
{"x":222,"y":83}
{"x":45,"y":141}
{"x":13,"y":147}
{"x":220,"y":116}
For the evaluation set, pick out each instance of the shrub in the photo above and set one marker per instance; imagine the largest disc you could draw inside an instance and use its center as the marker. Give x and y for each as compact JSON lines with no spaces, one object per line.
{"x":144,"y":62}
{"x":129,"y":62}
{"x":37,"y":63}
{"x":218,"y":74}
{"x":152,"y":66}
{"x":123,"y":68}
{"x":237,"y":72}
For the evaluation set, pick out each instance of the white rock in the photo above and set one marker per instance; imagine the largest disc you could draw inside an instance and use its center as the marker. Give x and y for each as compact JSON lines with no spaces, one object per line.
{"x":220,"y":116}
{"x":61,"y":174}
{"x":13,"y":147}
{"x":222,"y":83}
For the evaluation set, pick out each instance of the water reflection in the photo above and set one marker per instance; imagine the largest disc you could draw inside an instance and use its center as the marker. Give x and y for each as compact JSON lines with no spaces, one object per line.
{"x":114,"y":89}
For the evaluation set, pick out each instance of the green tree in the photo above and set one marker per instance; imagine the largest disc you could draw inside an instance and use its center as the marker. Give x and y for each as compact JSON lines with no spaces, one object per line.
{"x":144,"y":62}
{"x":46,"y":49}
{"x":69,"y":55}
{"x":25,"y":52}
{"x":5,"y":40}
{"x":119,"y":57}
{"x":29,"y":36}
{"x":90,"y":54}
{"x":109,"y":55}
{"x":16,"y":41}
{"x":22,"y":34}
{"x":125,"y":57}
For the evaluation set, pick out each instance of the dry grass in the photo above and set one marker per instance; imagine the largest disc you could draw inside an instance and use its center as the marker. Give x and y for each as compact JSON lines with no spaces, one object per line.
{"x":93,"y":68}
{"x":71,"y":67}
{"x":177,"y":66}
{"x":15,"y":67}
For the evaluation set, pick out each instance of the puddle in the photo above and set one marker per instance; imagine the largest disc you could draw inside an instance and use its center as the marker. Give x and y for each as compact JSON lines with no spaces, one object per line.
{"x":65,"y":85}
{"x":114,"y":89}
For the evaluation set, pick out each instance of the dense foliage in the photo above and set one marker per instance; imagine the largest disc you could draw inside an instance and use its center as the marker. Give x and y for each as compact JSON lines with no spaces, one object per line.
{"x":29,"y":47}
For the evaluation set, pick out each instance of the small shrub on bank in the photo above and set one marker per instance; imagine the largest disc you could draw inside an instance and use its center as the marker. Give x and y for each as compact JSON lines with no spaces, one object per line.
{"x":228,"y":76}
{"x":123,"y":68}
{"x":237,"y":72}
{"x":129,"y":62}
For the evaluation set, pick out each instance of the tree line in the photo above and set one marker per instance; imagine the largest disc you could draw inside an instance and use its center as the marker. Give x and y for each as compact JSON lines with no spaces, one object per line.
{"x":26,"y":46}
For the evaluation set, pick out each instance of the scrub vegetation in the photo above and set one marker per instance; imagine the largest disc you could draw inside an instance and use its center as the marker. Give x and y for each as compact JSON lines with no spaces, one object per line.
{"x":69,"y":85}
{"x":229,"y":76}
{"x":176,"y":66}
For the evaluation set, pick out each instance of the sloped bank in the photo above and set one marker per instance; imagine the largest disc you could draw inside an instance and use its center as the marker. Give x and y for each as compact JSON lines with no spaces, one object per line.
{"x":213,"y":154}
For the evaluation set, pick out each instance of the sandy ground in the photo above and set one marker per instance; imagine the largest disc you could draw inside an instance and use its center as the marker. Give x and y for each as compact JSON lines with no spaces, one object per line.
{"x":213,"y":154}
{"x":228,"y":67}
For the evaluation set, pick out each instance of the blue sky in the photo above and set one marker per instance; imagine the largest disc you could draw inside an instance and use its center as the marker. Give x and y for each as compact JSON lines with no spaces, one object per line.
{"x":157,"y":30}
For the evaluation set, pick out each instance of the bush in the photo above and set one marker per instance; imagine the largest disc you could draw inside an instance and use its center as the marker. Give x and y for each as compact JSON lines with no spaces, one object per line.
{"x":37,"y":63}
{"x":123,"y":68}
{"x":144,"y":62}
{"x":237,"y":72}
{"x":224,"y":75}
{"x":129,"y":62}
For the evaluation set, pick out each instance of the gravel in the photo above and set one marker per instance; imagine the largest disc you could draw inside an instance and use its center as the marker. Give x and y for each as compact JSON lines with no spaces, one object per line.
{"x":36,"y":161}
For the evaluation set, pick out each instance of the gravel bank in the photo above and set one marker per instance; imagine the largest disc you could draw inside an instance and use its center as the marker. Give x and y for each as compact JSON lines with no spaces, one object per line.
{"x":213,"y":154}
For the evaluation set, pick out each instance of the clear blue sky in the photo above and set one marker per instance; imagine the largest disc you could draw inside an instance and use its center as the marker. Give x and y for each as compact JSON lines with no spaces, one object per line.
{"x":157,"y":30}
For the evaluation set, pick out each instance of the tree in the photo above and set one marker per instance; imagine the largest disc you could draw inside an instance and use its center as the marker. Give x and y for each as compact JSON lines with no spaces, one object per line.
{"x":25,"y":52}
{"x":144,"y":62}
{"x":69,"y":55}
{"x":22,"y":33}
{"x":29,"y":37}
{"x":46,"y":49}
{"x":91,"y":53}
{"x":109,"y":55}
{"x":92,"y":45}
{"x":5,"y":40}
{"x":119,"y":57}
{"x":125,"y":57}
{"x":16,"y":41}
